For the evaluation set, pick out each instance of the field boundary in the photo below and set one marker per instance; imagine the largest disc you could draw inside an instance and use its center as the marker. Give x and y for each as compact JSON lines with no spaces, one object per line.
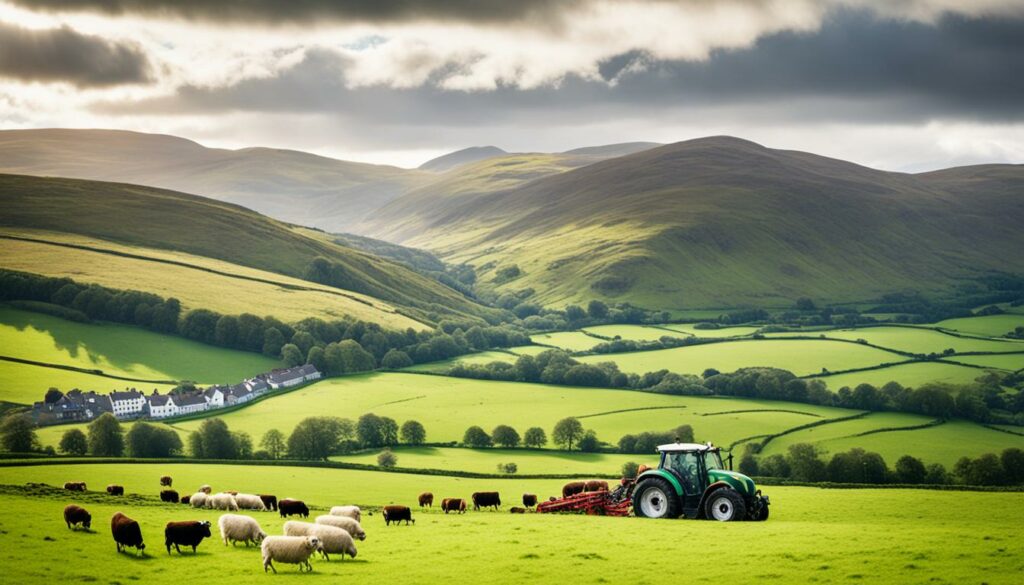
{"x":100,"y":373}
{"x":743,"y":411}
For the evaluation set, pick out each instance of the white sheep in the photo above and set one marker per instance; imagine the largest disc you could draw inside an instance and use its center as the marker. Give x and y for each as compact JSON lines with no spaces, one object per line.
{"x":345,"y":523}
{"x":237,"y":528}
{"x":332,"y":540}
{"x":250,"y":502}
{"x":350,"y":511}
{"x":206,"y":489}
{"x":293,"y":550}
{"x":198,"y":499}
{"x":222,"y":501}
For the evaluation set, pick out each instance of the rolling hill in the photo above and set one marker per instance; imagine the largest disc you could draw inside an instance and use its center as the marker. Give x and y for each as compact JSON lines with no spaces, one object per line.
{"x":714,"y":222}
{"x":292,"y":186}
{"x":142,"y":225}
{"x":451,"y":160}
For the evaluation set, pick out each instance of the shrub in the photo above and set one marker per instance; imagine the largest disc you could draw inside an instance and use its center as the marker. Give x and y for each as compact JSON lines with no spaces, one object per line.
{"x":387,"y":458}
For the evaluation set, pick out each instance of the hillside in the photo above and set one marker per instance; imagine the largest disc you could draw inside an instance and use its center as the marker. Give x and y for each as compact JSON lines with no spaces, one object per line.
{"x":292,"y":186}
{"x":716,"y":222}
{"x":154,"y":220}
{"x":451,"y":160}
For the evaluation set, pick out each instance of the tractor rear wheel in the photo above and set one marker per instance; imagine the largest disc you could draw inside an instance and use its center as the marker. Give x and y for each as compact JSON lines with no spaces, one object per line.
{"x":655,"y":498}
{"x":725,"y":505}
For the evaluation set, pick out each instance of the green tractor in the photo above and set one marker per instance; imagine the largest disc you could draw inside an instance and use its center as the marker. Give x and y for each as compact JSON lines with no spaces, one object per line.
{"x":691,"y":482}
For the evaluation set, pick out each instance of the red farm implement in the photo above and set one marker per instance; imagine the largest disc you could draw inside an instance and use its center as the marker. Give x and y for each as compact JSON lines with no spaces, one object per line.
{"x":602,"y":503}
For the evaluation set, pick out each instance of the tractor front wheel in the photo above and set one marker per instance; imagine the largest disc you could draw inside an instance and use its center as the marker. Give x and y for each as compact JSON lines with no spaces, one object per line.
{"x":655,"y":498}
{"x":725,"y":505}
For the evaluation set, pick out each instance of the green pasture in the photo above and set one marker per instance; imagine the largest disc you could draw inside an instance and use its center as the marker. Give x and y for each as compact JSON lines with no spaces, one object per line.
{"x":633,"y":332}
{"x":481,"y":358}
{"x":710,"y":333}
{"x":25,"y":384}
{"x":837,"y":430}
{"x":913,"y":374}
{"x":991,"y":325}
{"x":528,"y":349}
{"x":122,"y":350}
{"x":799,"y":356}
{"x":873,"y":536}
{"x":1003,"y":362}
{"x":920,"y":340}
{"x":567,"y":340}
{"x":528,"y":461}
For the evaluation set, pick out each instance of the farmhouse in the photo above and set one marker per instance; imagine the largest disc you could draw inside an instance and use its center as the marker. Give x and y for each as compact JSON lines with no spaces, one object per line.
{"x":292,"y":376}
{"x":128,"y":404}
{"x":239,"y":394}
{"x":161,"y":405}
{"x":73,"y":406}
{"x":189,"y":403}
{"x":214,"y":396}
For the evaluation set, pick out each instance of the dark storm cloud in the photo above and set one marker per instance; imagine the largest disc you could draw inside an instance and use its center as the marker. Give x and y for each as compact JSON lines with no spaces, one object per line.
{"x":856,"y":68}
{"x":277,"y":11}
{"x":64,"y":55}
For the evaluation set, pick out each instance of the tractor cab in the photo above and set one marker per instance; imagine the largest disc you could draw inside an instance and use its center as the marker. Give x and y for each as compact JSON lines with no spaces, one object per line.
{"x":691,"y":481}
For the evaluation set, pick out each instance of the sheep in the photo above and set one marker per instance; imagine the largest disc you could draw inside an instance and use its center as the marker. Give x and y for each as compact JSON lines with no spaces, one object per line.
{"x":294,"y":550}
{"x":237,"y":528}
{"x":222,"y":502}
{"x":345,"y":523}
{"x":75,"y":515}
{"x":205,"y":488}
{"x":332,"y":540}
{"x":198,"y":499}
{"x":250,"y":502}
{"x":352,"y":512}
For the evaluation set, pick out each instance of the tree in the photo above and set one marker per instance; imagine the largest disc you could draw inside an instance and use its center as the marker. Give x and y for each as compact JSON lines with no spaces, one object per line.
{"x":748,"y":465}
{"x":804,"y":463}
{"x":597,"y":310}
{"x":936,"y":474}
{"x":805,"y":304}
{"x":476,"y":438}
{"x":243,"y":444}
{"x":505,"y":436}
{"x":413,"y":433}
{"x":535,"y":438}
{"x":354,"y":357}
{"x":18,"y":434}
{"x":213,"y":441}
{"x":316,"y":357}
{"x":74,"y":442}
{"x":389,"y":430}
{"x":395,"y":359}
{"x":589,"y":442}
{"x":910,"y":470}
{"x":985,"y":470}
{"x":567,"y":432}
{"x":630,"y":469}
{"x":774,"y":466}
{"x":316,"y":438}
{"x":273,"y":341}
{"x":508,"y":468}
{"x":291,"y":355}
{"x":149,"y":440}
{"x":369,"y":431}
{"x":574,"y":313}
{"x":1013,"y":465}
{"x":106,"y":439}
{"x":387,"y":458}
{"x":273,"y":442}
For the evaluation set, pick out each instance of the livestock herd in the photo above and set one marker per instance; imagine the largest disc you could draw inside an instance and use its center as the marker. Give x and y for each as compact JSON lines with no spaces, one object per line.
{"x":332,"y":533}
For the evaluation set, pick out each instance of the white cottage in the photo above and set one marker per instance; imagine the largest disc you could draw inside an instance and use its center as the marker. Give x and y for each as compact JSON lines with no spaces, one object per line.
{"x":127,"y":404}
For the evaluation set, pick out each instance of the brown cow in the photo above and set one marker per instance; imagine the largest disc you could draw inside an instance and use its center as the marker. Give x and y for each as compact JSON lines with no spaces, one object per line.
{"x":426,"y":499}
{"x":453,"y":505}
{"x":74,"y":486}
{"x":573,"y":488}
{"x":189,"y":533}
{"x":126,"y":533}
{"x":529,"y":500}
{"x":169,"y":496}
{"x":517,"y":510}
{"x":596,"y":485}
{"x":115,"y":490}
{"x":486,"y":500}
{"x":185,"y":500}
{"x":74,"y":515}
{"x":396,"y":514}
{"x":292,"y":507}
{"x":269,"y":501}
{"x":166,"y":481}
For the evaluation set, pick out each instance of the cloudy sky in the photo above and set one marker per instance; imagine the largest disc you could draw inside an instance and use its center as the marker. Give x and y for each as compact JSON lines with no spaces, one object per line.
{"x":896,"y":84}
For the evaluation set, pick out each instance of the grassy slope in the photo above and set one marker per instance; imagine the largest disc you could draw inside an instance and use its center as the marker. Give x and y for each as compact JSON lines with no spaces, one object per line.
{"x":716,"y":222}
{"x":567,"y":340}
{"x":25,"y":384}
{"x":117,"y":350}
{"x":485,"y":460}
{"x":904,"y":539}
{"x":288,"y":185}
{"x":912,"y":375}
{"x":154,"y":218}
{"x":918,"y":340}
{"x":992,"y":325}
{"x":633,"y":332}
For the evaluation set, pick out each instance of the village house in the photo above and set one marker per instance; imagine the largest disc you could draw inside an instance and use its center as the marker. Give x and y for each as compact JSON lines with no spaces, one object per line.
{"x":190,"y":403}
{"x":292,"y":376}
{"x":161,"y":405}
{"x":214,"y":396}
{"x":73,"y":406}
{"x":128,"y":404}
{"x":239,"y":394}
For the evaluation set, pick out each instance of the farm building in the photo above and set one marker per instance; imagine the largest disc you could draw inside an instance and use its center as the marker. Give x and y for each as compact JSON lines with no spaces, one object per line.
{"x":128,"y":404}
{"x":73,"y":406}
{"x":293,"y":376}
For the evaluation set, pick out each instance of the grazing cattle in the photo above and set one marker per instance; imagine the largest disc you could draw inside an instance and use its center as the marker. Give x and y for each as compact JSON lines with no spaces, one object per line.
{"x":396,"y":514}
{"x":126,"y":533}
{"x":169,"y":496}
{"x":596,"y":485}
{"x":529,"y":500}
{"x":517,"y":510}
{"x":115,"y":490}
{"x":189,"y":533}
{"x":74,"y":486}
{"x":453,"y":505}
{"x":186,"y":499}
{"x":74,"y":515}
{"x":486,"y":500}
{"x":289,"y":507}
{"x":426,"y":499}
{"x":572,"y":488}
{"x":166,"y":481}
{"x":269,"y":501}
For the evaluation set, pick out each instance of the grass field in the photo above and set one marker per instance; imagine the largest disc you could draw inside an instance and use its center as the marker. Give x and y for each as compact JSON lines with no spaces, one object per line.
{"x":714,"y":333}
{"x":920,"y":340}
{"x":633,"y":332}
{"x":1004,"y":362}
{"x":912,"y":375}
{"x":25,"y":384}
{"x":991,"y":325}
{"x":567,"y":340}
{"x":528,"y":349}
{"x":486,"y":460}
{"x":121,"y":350}
{"x":799,"y":356}
{"x":877,"y":536}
